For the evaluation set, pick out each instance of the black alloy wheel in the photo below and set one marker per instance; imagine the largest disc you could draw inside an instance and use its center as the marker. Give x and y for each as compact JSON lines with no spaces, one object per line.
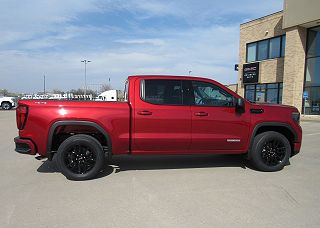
{"x":270,"y":151}
{"x":273,"y":152}
{"x":80,"y":157}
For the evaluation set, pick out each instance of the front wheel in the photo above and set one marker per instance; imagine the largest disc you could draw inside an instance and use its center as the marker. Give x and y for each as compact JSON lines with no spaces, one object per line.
{"x":80,"y":157}
{"x":270,"y":151}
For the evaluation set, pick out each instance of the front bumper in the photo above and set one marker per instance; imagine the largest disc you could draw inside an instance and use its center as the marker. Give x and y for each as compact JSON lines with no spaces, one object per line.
{"x":25,"y":146}
{"x":296,"y":148}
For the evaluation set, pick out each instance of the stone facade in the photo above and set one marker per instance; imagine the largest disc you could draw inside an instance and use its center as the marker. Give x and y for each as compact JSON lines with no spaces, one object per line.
{"x":233,"y":87}
{"x":294,"y":66}
{"x":271,"y":70}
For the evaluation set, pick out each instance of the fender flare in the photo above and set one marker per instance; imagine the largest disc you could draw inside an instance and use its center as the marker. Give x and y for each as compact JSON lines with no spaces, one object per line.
{"x":74,"y":122}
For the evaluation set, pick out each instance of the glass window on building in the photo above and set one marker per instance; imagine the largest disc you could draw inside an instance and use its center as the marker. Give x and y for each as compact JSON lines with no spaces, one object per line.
{"x":313,"y":42}
{"x":263,"y":49}
{"x":260,"y":93}
{"x":266,"y":49}
{"x":250,"y":93}
{"x":313,"y":72}
{"x":311,"y":100}
{"x":270,"y":93}
{"x":283,"y":45}
{"x":312,"y":103}
{"x":251,"y":52}
{"x":274,"y":50}
{"x":280,"y":93}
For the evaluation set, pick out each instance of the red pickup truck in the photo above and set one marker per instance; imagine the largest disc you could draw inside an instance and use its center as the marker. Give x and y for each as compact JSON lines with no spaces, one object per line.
{"x":161,"y":115}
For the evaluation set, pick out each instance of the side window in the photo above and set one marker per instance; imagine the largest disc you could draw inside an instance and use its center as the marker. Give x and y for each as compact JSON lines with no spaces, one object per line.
{"x":162,"y":92}
{"x":207,"y":94}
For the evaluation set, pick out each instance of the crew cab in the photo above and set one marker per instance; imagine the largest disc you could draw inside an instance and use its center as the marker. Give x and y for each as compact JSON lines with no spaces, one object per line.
{"x":161,"y":115}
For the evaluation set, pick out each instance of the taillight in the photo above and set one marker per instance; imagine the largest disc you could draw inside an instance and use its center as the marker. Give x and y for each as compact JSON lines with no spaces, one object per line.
{"x":21,"y":116}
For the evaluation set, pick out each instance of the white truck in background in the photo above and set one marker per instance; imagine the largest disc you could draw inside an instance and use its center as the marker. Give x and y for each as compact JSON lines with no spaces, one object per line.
{"x":7,"y":103}
{"x":110,"y":95}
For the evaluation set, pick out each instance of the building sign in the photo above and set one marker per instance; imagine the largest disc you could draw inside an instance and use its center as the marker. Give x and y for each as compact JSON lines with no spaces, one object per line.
{"x":250,"y":73}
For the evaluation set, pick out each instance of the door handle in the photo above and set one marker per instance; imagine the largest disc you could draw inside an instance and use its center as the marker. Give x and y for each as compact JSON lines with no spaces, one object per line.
{"x":201,"y":114}
{"x":145,"y":113}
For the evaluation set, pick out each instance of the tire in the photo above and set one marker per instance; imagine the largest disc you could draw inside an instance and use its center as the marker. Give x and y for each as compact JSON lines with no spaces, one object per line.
{"x":80,"y":157}
{"x":270,"y":151}
{"x":6,"y":105}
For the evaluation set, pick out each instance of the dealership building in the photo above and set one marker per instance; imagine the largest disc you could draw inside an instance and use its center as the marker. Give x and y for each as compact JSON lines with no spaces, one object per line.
{"x":280,"y":57}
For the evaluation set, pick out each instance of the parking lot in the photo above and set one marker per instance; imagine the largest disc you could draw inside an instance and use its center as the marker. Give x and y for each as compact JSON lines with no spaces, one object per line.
{"x":190,"y":191}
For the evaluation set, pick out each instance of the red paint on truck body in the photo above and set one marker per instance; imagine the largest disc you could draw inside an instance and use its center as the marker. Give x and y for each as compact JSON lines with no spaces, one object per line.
{"x":139,"y":127}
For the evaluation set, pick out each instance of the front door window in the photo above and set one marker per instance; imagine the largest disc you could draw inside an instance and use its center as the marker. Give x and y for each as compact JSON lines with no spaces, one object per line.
{"x":207,"y":94}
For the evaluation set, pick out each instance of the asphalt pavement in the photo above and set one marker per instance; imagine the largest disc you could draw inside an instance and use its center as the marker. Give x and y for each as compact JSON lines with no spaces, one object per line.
{"x":190,"y":191}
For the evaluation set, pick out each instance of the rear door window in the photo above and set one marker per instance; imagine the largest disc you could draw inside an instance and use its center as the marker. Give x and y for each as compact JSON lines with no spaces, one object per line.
{"x":162,"y":91}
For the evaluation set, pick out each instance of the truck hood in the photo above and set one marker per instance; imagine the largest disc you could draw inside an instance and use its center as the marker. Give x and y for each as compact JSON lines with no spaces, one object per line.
{"x":270,"y":105}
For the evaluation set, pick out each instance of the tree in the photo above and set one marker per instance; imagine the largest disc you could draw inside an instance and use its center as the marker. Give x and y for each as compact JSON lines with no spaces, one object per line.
{"x":57,"y":91}
{"x":4,"y":92}
{"x":81,"y":92}
{"x":105,"y":87}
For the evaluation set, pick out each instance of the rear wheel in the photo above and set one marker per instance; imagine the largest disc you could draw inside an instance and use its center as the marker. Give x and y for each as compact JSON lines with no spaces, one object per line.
{"x":80,"y":157}
{"x":270,"y":152}
{"x":6,"y":105}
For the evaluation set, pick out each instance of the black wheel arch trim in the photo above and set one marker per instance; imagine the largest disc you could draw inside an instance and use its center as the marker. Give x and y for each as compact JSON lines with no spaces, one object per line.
{"x":75,"y":122}
{"x":271,"y":124}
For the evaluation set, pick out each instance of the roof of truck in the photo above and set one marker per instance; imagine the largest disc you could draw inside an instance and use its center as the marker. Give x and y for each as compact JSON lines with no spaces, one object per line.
{"x":170,"y":76}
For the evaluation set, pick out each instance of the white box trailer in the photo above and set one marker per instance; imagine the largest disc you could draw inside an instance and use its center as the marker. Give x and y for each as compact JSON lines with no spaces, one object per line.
{"x":110,"y":95}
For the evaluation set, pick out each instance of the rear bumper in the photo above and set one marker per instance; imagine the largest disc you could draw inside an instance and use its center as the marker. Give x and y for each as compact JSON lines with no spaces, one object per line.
{"x":25,"y":146}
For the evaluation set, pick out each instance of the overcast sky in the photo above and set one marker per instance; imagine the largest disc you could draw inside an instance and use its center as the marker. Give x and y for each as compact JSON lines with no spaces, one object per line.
{"x":121,"y":38}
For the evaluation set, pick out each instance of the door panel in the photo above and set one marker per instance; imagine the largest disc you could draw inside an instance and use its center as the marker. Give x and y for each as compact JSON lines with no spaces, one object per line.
{"x":161,"y":123}
{"x":216,"y":126}
{"x":221,"y":129}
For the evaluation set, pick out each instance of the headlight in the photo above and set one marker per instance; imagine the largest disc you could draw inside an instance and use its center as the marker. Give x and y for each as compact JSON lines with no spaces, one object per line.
{"x":296,"y":117}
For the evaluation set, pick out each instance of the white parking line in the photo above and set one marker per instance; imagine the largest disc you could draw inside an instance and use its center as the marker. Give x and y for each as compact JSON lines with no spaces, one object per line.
{"x":318,"y":133}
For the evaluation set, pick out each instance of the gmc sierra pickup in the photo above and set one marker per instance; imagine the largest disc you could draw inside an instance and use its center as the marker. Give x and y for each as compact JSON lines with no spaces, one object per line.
{"x":161,"y":115}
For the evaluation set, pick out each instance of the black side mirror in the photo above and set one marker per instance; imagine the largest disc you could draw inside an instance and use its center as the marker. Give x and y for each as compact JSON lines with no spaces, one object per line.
{"x":240,"y":105}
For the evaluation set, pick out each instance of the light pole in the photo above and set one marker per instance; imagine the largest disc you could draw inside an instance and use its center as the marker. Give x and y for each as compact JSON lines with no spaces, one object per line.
{"x":85,"y":76}
{"x":190,"y":72}
{"x":44,"y":84}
